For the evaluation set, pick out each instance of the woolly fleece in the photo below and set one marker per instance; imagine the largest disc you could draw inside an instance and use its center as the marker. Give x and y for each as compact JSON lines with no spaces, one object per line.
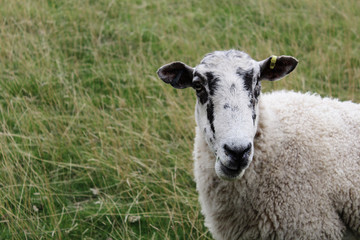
{"x":304,"y":180}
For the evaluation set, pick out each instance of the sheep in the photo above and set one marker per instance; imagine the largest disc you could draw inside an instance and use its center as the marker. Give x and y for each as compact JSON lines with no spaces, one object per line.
{"x":280,"y":165}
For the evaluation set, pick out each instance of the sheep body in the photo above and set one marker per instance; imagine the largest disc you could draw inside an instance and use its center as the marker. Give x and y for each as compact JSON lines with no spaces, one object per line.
{"x":303,"y":182}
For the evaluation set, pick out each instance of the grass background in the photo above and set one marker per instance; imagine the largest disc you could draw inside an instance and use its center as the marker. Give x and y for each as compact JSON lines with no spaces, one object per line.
{"x":94,"y":146}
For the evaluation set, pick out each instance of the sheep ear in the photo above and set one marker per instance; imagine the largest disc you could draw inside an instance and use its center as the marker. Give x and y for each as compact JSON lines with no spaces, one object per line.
{"x":178,"y":74}
{"x":275,"y":68}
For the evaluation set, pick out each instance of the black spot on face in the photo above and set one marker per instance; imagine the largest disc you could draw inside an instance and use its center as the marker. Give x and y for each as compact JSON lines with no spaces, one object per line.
{"x":202,"y":96}
{"x":212,"y":82}
{"x":252,"y":102}
{"x":232,"y":89}
{"x":210,"y":115}
{"x":257,"y":90}
{"x":232,"y":108}
{"x":252,"y":105}
{"x":248,"y":77}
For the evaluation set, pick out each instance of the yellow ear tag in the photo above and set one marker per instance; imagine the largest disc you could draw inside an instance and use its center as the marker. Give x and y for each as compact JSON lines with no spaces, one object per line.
{"x":272,"y":62}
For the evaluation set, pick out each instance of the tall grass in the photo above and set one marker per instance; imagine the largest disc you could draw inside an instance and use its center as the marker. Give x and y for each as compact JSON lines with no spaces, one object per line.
{"x":94,"y":146}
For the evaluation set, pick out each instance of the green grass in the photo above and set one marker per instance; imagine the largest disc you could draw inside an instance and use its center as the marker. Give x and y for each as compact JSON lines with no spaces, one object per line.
{"x":90,"y":139}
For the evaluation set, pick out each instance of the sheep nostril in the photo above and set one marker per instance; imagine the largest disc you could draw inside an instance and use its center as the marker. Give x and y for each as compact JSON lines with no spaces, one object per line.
{"x":238,"y":155}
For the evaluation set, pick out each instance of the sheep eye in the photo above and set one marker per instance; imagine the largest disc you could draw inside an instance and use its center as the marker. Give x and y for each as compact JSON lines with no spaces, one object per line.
{"x":198,"y":87}
{"x":197,"y":84}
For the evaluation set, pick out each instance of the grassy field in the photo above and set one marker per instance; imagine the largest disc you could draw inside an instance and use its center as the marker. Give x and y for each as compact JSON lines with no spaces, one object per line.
{"x":94,"y":146}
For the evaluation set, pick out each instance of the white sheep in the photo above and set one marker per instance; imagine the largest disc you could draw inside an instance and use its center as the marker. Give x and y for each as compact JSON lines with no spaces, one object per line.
{"x":284,"y":165}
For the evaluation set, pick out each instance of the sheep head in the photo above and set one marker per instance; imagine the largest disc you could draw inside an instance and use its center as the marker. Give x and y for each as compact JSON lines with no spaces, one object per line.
{"x":228,"y":87}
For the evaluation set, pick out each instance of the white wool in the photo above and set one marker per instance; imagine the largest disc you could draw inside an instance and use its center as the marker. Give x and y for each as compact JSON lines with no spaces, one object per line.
{"x":303,"y":181}
{"x":284,"y":165}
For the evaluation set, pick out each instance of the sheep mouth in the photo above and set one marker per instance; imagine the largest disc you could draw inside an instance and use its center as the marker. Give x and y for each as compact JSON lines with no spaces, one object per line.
{"x":231,"y":173}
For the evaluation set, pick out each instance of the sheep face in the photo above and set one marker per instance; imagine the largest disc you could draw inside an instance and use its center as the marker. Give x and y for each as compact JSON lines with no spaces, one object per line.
{"x":227,"y":86}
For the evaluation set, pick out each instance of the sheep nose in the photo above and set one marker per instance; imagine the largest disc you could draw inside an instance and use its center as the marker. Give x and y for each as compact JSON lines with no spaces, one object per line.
{"x":239,"y":155}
